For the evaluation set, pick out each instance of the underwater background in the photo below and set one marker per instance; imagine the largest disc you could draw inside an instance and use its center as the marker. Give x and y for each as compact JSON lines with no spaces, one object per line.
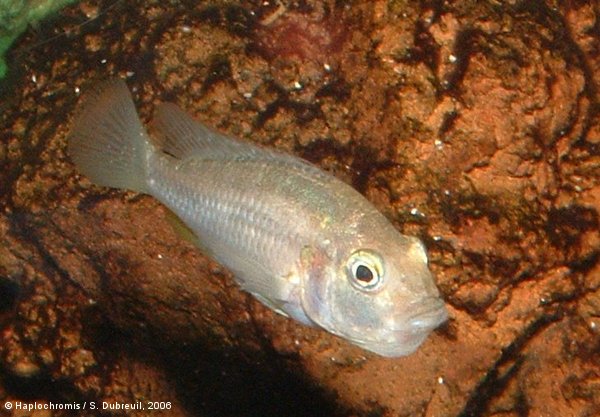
{"x":473,"y":125}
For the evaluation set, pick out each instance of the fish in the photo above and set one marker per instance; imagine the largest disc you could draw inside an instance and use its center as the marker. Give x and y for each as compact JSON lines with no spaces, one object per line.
{"x":303,"y":242}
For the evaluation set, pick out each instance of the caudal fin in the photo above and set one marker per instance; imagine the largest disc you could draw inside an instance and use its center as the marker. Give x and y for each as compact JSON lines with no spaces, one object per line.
{"x":108,"y":142}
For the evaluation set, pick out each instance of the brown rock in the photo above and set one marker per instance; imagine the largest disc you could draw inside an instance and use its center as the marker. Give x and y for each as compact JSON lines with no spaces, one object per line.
{"x":473,"y":125}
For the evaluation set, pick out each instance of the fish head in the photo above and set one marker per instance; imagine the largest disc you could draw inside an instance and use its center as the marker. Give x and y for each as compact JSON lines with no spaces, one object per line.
{"x":381,"y":297}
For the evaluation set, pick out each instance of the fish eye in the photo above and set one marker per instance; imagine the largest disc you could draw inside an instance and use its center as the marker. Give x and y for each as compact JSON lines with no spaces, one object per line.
{"x":365,"y":270}
{"x":363,"y":273}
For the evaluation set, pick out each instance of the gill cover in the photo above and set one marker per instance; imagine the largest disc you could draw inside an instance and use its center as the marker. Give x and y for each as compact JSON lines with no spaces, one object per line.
{"x":316,"y":289}
{"x":339,"y":298}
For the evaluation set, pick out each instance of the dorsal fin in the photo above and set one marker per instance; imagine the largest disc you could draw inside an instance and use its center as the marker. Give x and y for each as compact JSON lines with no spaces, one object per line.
{"x":189,"y":140}
{"x":183,"y":137}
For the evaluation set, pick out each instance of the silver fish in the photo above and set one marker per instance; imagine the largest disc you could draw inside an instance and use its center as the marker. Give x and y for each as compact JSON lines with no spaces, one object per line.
{"x":301,"y":241}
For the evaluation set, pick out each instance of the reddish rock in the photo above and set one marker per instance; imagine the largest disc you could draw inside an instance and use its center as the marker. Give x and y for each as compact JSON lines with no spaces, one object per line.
{"x":473,"y":125}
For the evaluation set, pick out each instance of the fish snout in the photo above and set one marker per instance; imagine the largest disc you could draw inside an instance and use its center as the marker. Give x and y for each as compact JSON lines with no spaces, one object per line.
{"x":426,"y":315}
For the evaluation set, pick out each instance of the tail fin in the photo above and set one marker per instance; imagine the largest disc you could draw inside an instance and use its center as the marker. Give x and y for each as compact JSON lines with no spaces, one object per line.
{"x":108,"y":142}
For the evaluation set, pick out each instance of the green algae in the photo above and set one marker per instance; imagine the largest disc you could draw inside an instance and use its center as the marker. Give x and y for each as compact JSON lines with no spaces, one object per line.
{"x":16,"y":15}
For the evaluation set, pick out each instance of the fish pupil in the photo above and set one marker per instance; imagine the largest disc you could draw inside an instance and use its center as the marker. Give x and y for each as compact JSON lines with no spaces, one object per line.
{"x":364,"y":274}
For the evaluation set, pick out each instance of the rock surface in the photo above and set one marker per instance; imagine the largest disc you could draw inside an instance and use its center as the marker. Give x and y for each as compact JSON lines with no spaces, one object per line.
{"x":474,"y":125}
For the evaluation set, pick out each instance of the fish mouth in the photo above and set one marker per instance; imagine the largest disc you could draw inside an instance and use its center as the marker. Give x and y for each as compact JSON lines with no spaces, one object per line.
{"x":426,"y":315}
{"x":400,"y":342}
{"x":408,"y":333}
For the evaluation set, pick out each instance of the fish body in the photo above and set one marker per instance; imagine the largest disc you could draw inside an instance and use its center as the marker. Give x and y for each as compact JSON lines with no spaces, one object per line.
{"x":301,"y":241}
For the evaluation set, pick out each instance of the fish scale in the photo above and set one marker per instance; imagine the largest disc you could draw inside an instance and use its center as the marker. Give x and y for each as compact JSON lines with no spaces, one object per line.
{"x":233,"y":216}
{"x":300,"y":240}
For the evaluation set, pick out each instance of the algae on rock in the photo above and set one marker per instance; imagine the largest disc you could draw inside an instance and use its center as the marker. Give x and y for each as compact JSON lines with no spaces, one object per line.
{"x":15,"y":15}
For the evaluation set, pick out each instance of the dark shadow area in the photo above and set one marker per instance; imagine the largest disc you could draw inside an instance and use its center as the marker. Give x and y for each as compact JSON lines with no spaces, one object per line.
{"x":39,"y":387}
{"x":9,"y":292}
{"x":212,"y":380}
{"x":230,"y":383}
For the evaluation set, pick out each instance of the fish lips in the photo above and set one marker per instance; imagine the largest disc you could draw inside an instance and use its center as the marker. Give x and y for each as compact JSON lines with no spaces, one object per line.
{"x":426,"y":315}
{"x":407,"y":333}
